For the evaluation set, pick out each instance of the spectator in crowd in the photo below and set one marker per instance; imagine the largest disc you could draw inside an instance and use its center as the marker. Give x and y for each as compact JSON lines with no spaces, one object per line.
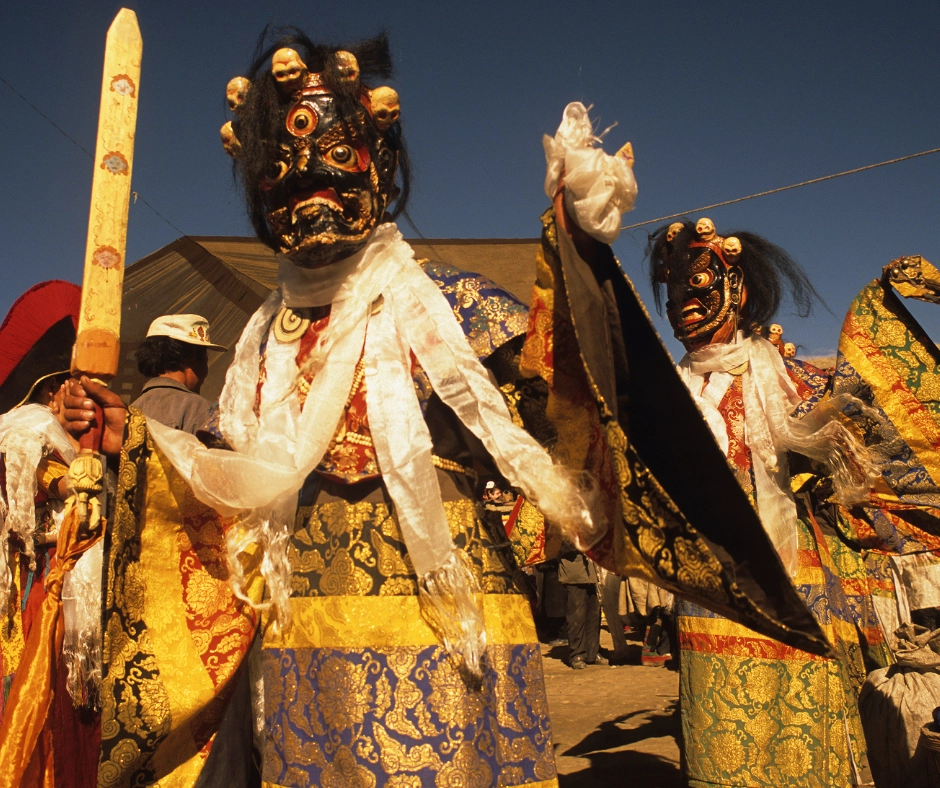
{"x":174,"y":356}
{"x":583,"y":609}
{"x":610,"y":602}
{"x":654,"y":610}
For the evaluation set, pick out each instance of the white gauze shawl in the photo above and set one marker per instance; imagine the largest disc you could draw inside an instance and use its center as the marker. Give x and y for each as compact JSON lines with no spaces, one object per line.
{"x":770,"y":431}
{"x":277,"y":449}
{"x":27,"y":434}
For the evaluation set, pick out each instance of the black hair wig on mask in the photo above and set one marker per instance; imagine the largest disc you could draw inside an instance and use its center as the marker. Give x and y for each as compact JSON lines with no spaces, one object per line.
{"x":260,"y":116}
{"x":769,"y":273}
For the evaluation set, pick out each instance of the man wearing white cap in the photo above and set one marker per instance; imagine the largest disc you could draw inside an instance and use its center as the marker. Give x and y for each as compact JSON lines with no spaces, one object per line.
{"x":174,"y":356}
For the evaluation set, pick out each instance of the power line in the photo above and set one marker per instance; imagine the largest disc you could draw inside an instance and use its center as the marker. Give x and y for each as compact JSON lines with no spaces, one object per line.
{"x":782,"y":189}
{"x":83,"y":149}
{"x":625,"y":227}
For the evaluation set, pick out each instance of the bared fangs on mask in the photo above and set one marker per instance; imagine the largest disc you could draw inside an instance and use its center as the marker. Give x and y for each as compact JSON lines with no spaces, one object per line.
{"x":704,"y":287}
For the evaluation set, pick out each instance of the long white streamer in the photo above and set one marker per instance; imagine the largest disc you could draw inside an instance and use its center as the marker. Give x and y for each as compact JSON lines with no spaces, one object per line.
{"x":282,"y":443}
{"x":770,"y":431}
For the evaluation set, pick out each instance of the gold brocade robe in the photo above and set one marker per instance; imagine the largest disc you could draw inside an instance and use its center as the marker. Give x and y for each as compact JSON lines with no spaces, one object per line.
{"x":358,"y":690}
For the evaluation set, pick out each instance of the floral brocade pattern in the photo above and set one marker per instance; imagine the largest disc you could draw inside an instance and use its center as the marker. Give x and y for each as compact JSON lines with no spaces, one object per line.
{"x":351,"y":700}
{"x":174,"y":631}
{"x":341,"y":548}
{"x":133,"y":718}
{"x":763,"y":721}
{"x":488,"y":315}
{"x":756,"y":712}
{"x":405,"y":717}
{"x":886,"y":360}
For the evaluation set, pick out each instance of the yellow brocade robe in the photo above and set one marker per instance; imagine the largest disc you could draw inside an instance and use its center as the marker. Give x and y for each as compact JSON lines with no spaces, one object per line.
{"x":358,"y":690}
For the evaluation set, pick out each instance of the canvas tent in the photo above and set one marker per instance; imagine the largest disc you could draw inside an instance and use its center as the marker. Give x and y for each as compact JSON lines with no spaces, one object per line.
{"x":225,"y":279}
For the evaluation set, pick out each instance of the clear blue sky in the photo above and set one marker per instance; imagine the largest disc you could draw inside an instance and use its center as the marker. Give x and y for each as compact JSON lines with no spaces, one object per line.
{"x":719,"y":99}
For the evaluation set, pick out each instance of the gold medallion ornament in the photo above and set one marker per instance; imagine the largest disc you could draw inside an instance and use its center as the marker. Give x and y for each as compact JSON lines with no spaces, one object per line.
{"x":291,"y":323}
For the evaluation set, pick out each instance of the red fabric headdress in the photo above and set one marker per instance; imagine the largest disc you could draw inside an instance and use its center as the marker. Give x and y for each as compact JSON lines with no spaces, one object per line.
{"x":36,"y":338}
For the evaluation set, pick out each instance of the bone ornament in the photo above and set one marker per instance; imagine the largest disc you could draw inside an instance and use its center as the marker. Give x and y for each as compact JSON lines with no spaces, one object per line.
{"x":789,"y":350}
{"x":731,"y":246}
{"x":235,"y":93}
{"x":674,"y":229}
{"x":705,"y":229}
{"x":229,"y":140}
{"x":774,"y":333}
{"x":385,"y":107}
{"x":288,"y":70}
{"x":86,"y":479}
{"x":348,"y":68}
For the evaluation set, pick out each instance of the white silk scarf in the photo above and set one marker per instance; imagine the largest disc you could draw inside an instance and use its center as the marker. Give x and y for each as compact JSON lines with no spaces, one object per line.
{"x":384,"y":307}
{"x":27,"y":434}
{"x":770,"y":397}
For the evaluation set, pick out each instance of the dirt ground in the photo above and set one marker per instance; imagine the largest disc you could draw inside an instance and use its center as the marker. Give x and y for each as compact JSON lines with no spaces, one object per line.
{"x":613,"y":725}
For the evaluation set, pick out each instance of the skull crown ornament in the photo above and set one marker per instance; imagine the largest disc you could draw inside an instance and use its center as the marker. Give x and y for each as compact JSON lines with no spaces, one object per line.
{"x":704,"y":285}
{"x":235,"y":93}
{"x":288,"y":69}
{"x":716,"y":288}
{"x":330,"y":160}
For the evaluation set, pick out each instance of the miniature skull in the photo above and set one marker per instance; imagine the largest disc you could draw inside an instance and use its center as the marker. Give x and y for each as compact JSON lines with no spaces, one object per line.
{"x":347,"y":67}
{"x":674,"y":229}
{"x":235,"y":92}
{"x":385,"y":107}
{"x":288,"y":69}
{"x":705,"y":229}
{"x":775,"y":332}
{"x":732,"y":249}
{"x":229,"y":140}
{"x":789,"y":350}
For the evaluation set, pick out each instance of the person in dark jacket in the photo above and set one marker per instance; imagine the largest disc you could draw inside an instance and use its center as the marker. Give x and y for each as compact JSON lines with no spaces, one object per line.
{"x":175,"y":357}
{"x":583,"y":610}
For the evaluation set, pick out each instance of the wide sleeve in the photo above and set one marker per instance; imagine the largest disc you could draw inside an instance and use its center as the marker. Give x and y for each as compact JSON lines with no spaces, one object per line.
{"x":888,"y":362}
{"x":175,"y":635}
{"x":676,"y":515}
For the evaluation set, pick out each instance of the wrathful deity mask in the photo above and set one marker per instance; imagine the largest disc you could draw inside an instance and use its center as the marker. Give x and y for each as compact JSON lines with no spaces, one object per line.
{"x":704,"y":290}
{"x":325,"y":194}
{"x":332,"y":175}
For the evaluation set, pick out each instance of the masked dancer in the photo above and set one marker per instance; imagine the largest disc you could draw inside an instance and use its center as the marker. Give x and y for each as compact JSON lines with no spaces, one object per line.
{"x":336,"y":511}
{"x":826,"y":469}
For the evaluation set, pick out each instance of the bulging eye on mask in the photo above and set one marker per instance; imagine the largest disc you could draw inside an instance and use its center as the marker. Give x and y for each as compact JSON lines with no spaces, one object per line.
{"x":703,"y":293}
{"x":323,"y":148}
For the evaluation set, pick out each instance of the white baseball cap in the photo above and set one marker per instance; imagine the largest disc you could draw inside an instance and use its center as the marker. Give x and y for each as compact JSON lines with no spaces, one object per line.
{"x":191,"y":329}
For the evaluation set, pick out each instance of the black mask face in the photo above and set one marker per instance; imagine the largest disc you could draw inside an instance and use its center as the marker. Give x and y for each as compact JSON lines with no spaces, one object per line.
{"x":328,"y":188}
{"x":703,"y":294}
